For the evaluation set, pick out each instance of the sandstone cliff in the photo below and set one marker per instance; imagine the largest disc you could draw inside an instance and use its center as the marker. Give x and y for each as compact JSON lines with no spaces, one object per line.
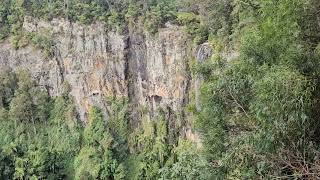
{"x":152,"y":71}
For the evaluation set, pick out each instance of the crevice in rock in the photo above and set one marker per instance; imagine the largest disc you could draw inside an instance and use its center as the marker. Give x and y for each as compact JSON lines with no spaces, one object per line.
{"x":58,"y":58}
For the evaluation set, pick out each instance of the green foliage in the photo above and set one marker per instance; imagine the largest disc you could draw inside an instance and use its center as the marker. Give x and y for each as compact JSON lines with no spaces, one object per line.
{"x":42,"y":139}
{"x":8,"y":84}
{"x":95,"y":160}
{"x":118,"y":125}
{"x":15,"y":18}
{"x":21,"y":108}
{"x":261,"y":103}
{"x":194,"y":26}
{"x":120,"y":173}
{"x":259,"y":112}
{"x":87,"y":164}
{"x":116,"y":14}
{"x":283,"y":96}
{"x":4,"y":28}
{"x":215,"y":18}
{"x":28,"y":147}
{"x":159,"y":14}
{"x":154,"y":157}
{"x":132,"y":13}
{"x":42,"y":42}
{"x":7,"y":161}
{"x":95,"y":131}
{"x":189,"y":164}
{"x":63,"y":132}
{"x":115,"y":20}
{"x":186,"y":18}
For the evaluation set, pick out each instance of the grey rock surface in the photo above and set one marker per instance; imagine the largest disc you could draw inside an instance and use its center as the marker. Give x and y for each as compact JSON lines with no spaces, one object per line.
{"x":152,"y":71}
{"x":203,"y":53}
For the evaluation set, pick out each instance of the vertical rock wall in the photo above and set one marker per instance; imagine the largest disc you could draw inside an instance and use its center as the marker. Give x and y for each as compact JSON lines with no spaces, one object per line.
{"x":151,"y":70}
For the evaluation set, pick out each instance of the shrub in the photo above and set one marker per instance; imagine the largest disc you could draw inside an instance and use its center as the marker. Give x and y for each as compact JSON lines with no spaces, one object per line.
{"x":185,"y":18}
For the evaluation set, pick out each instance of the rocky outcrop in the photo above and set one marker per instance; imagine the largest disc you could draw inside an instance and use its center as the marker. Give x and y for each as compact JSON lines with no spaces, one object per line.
{"x":151,"y":70}
{"x":204,"y":52}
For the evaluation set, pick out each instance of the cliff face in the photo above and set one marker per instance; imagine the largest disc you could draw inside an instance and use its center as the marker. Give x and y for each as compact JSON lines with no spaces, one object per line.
{"x":97,"y":63}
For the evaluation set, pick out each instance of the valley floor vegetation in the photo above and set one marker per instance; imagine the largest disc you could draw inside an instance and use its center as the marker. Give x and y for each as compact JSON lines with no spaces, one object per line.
{"x":260,"y":112}
{"x":41,"y":138}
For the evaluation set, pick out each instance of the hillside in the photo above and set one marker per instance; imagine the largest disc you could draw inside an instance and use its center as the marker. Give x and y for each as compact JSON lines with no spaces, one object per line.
{"x":167,"y":89}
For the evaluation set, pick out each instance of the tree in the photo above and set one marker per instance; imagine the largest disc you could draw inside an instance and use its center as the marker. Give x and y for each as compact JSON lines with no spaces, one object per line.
{"x":8,"y":83}
{"x":95,"y":133}
{"x":97,"y":150}
{"x":88,"y":164}
{"x":21,"y":109}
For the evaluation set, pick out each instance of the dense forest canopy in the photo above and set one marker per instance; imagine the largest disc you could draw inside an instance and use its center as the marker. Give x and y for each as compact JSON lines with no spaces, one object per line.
{"x":259,"y":115}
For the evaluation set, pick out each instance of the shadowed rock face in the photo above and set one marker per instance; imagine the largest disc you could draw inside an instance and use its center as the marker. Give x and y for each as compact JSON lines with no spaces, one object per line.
{"x":97,"y":63}
{"x":204,"y":52}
